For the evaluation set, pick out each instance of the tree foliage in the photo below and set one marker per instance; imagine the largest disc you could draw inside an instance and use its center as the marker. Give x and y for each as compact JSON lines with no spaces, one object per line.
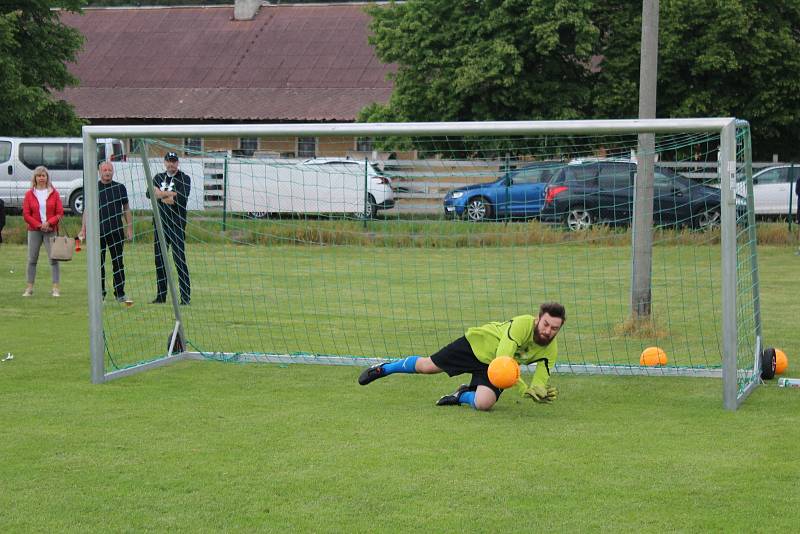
{"x":533,"y":59}
{"x":481,"y":60}
{"x":716,"y":59}
{"x":34,"y":50}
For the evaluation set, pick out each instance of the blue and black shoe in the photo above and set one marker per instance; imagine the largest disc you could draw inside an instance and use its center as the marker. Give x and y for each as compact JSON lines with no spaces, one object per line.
{"x":371,"y":373}
{"x":452,"y":399}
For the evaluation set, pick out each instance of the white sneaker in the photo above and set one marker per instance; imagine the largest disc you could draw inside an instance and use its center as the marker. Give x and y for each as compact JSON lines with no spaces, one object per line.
{"x":56,"y":292}
{"x":28,"y":292}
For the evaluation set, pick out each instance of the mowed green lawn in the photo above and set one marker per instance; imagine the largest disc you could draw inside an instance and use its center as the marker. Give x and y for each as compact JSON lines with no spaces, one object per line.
{"x":209,"y":446}
{"x":389,"y":302}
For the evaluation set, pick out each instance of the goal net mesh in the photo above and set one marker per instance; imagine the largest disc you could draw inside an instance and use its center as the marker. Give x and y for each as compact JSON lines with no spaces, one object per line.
{"x":382,"y":247}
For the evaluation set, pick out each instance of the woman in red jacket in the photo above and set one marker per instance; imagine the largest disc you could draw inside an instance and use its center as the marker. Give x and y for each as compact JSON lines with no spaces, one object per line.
{"x":42,"y":210}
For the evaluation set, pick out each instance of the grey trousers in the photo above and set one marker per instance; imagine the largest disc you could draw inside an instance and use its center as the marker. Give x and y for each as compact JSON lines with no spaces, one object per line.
{"x":35,"y":240}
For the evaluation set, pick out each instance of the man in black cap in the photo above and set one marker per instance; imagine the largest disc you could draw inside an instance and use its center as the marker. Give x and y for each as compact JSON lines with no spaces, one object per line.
{"x":172,"y":188}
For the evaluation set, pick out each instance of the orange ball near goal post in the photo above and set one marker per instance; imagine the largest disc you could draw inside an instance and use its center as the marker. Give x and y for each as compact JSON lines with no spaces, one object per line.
{"x":503,"y":372}
{"x":652,"y":356}
{"x":781,"y":362}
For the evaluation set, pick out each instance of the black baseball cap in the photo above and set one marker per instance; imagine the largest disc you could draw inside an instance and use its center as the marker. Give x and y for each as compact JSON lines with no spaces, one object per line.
{"x":172,"y":156}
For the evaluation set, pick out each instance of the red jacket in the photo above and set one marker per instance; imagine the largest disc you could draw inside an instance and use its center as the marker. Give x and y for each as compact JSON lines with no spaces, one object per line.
{"x":54,"y":210}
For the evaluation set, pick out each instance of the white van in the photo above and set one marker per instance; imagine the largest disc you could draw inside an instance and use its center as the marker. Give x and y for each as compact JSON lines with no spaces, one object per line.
{"x":379,"y":187}
{"x":63,"y":157}
{"x":322,"y":185}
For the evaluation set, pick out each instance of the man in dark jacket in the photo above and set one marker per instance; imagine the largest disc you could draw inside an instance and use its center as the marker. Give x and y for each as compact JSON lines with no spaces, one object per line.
{"x":172,"y":189}
{"x":2,"y":218}
{"x":116,"y":225}
{"x":797,"y":192}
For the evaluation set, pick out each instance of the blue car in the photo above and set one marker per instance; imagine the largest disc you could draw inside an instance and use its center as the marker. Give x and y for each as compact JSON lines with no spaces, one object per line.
{"x":517,"y":194}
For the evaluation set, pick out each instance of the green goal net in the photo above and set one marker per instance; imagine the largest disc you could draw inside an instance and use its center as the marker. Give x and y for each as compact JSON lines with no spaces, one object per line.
{"x":352,"y":244}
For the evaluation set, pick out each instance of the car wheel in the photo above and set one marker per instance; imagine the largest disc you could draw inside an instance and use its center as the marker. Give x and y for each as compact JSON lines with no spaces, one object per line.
{"x":257,"y":214}
{"x":478,"y":209}
{"x":579,"y":220}
{"x":708,"y":219}
{"x":76,"y":202}
{"x":371,"y":207}
{"x":768,"y":363}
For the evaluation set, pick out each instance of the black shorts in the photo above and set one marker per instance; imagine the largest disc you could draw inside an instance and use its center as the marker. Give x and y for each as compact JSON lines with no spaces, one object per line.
{"x":457,"y":358}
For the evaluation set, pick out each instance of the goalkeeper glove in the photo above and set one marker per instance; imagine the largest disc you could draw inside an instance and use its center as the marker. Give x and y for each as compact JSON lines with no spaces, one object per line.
{"x":541,"y":393}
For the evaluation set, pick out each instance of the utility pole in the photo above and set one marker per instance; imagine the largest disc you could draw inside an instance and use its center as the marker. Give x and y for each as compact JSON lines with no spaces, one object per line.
{"x":642,"y":237}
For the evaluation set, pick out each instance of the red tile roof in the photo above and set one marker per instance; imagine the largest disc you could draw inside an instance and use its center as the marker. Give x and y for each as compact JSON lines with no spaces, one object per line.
{"x":290,"y":63}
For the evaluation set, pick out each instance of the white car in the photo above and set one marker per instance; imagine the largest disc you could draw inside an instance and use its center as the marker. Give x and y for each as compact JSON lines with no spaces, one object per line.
{"x":773,"y":188}
{"x":63,"y":157}
{"x":379,"y":186}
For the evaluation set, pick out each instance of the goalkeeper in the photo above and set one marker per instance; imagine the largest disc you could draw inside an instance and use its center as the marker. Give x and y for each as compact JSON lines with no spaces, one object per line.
{"x":526,"y":338}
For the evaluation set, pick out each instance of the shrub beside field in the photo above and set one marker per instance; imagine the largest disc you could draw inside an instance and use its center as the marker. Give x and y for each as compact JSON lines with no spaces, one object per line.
{"x":424,"y":233}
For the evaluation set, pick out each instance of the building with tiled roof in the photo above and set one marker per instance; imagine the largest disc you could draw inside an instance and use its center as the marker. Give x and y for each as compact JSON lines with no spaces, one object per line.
{"x":287,"y":63}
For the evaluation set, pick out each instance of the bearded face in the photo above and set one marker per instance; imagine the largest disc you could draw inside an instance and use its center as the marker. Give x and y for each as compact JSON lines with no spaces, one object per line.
{"x":546,"y":329}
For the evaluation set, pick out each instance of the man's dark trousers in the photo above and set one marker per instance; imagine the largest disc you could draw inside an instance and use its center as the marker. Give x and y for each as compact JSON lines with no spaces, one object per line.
{"x":114,"y":243}
{"x":176,"y":239}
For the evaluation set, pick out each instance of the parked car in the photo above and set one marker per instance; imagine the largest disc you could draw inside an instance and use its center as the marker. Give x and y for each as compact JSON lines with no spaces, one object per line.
{"x":517,"y":193}
{"x":773,"y":189}
{"x":601,"y":191}
{"x":379,"y":186}
{"x":63,"y":156}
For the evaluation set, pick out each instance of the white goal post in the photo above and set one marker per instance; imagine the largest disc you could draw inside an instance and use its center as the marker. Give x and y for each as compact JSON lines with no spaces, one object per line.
{"x":738,"y":379}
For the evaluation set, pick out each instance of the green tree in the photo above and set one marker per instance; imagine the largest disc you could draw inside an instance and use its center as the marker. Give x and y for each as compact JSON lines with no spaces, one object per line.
{"x":734,"y":58}
{"x":484,"y":60}
{"x":554,"y":59}
{"x":34,"y":50}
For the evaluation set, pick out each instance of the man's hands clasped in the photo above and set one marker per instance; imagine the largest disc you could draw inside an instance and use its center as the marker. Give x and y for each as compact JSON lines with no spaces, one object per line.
{"x":541,"y":393}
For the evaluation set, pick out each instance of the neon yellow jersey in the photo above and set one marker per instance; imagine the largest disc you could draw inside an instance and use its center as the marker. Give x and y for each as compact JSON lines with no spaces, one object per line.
{"x":514,"y":338}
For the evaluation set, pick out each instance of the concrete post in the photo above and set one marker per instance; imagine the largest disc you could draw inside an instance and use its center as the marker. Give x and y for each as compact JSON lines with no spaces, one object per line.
{"x":642,"y":235}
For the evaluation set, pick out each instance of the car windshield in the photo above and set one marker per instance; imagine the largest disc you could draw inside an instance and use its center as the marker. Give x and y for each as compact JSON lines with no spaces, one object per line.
{"x":351,"y":165}
{"x":777,"y":175}
{"x":5,"y":150}
{"x":534,"y":174}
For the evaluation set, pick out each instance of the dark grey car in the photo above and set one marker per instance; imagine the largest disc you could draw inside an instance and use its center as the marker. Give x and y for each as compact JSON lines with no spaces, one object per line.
{"x":586,"y":193}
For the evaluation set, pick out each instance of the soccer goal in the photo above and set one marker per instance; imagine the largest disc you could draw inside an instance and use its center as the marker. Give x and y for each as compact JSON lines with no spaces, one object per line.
{"x":349,"y":244}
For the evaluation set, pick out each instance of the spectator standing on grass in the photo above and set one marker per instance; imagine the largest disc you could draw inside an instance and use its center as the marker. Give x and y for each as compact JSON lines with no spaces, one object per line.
{"x":525,"y":338}
{"x":42,"y":210}
{"x":797,"y":220}
{"x":112,"y":201}
{"x":172,"y":189}
{"x":2,"y":218}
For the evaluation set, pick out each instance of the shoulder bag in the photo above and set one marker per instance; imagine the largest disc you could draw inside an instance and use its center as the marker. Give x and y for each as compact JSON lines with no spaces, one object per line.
{"x":61,"y":247}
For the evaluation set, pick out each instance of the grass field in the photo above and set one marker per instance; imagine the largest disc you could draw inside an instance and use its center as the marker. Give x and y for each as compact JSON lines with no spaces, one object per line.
{"x":208,"y":446}
{"x":390,"y":302}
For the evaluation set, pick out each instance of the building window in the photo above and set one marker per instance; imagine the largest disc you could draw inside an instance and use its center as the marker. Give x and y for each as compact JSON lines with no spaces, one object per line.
{"x":364,"y":144}
{"x":306,"y":147}
{"x":248,"y":146}
{"x":192,"y":145}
